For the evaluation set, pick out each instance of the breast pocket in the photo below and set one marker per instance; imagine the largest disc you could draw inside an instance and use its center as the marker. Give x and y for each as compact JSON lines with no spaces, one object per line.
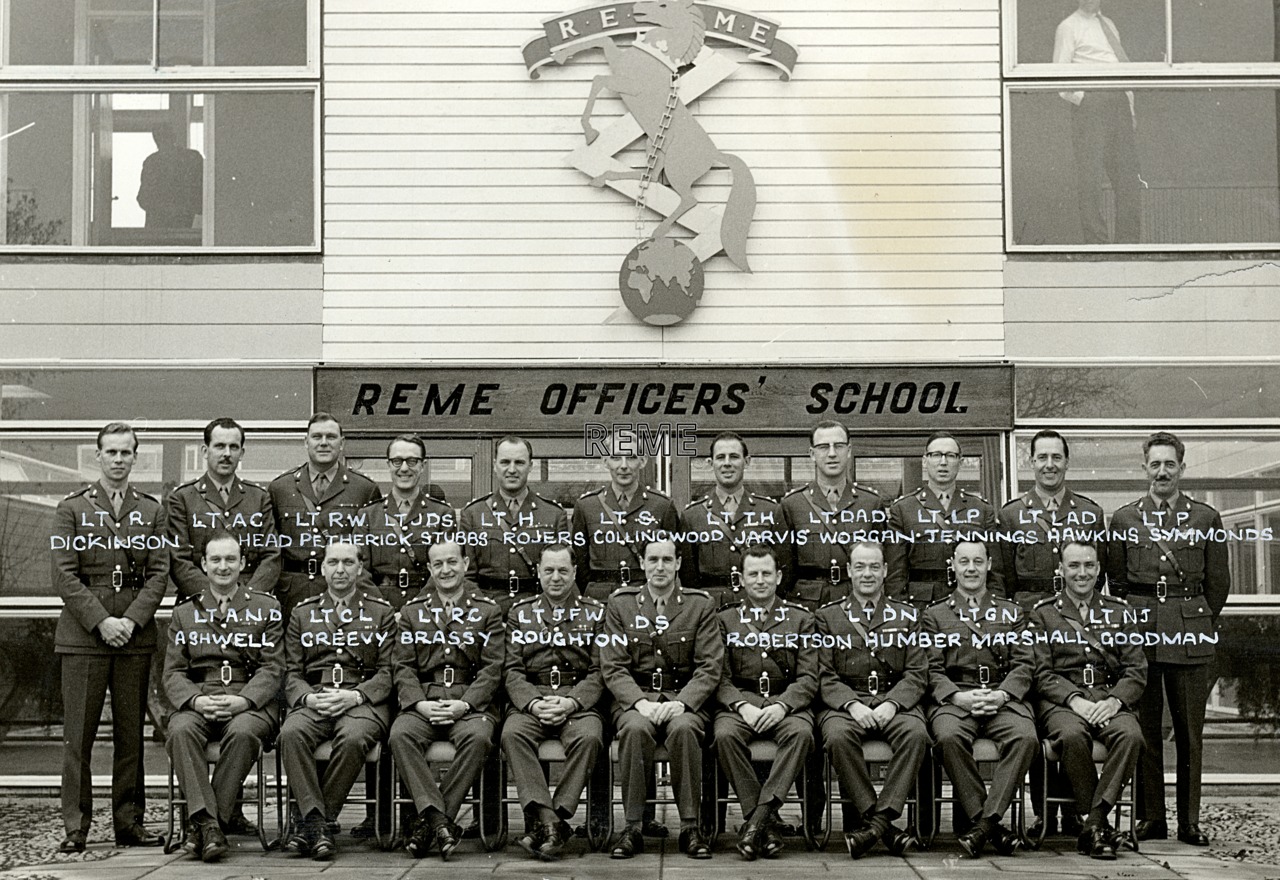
{"x":1197,"y":623}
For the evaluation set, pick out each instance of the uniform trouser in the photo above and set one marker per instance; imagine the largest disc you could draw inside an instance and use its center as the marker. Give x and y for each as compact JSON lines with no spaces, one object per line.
{"x":842,"y":737}
{"x":1103,"y":141}
{"x":794,"y":738}
{"x":813,"y":593}
{"x":85,"y":680}
{"x":412,"y":735}
{"x":582,"y":736}
{"x":637,"y":741}
{"x":1187,"y":687}
{"x":1072,"y":738}
{"x":240,"y":736}
{"x":302,"y":733}
{"x":1014,"y":736}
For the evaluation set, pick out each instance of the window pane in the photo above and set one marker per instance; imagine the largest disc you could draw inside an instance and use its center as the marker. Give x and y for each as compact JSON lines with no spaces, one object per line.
{"x":449,"y":477}
{"x":1211,"y":31}
{"x":1192,"y":172}
{"x":1139,"y":25}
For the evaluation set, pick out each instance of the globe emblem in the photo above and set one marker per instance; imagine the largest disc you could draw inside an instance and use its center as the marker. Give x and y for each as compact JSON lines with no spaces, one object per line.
{"x":661,"y":281}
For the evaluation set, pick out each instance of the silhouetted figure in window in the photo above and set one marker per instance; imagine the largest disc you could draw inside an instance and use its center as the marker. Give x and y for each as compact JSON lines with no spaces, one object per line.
{"x":172,"y":190}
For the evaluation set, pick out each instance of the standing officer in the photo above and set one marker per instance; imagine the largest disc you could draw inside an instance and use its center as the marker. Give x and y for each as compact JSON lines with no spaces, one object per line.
{"x":338,"y":665}
{"x":769,"y":680}
{"x":449,"y":656}
{"x":662,"y":680}
{"x":224,"y":667}
{"x":314,"y":504}
{"x":1169,"y":564}
{"x":553,"y":681}
{"x":1088,"y":685}
{"x":873,"y":688}
{"x":111,"y":567}
{"x":979,"y":671}
{"x":403,"y":525}
{"x":830,"y":511}
{"x":609,"y":520}
{"x":506,"y":530}
{"x":735,"y":519}
{"x":918,"y":567}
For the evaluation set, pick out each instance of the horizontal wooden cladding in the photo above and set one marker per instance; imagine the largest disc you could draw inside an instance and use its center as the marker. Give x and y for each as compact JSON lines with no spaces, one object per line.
{"x":209,"y":339}
{"x":604,"y":261}
{"x":516,"y":95}
{"x":82,"y":275}
{"x":925,"y":251}
{"x":400,"y":298}
{"x":171,"y":307}
{"x":771,"y":8}
{"x":588,"y":230}
{"x":793,"y":23}
{"x":765,"y":174}
{"x":734,"y":323}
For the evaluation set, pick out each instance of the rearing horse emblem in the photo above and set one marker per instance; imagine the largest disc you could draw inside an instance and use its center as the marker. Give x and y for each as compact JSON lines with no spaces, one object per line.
{"x":667,"y":66}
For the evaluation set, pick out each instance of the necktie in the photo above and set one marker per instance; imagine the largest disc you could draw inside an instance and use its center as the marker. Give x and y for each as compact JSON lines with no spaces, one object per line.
{"x":659,"y":606}
{"x":833,"y":495}
{"x":405,"y":507}
{"x":117,"y":501}
{"x":223,"y":603}
{"x":225,"y":493}
{"x":513,"y":506}
{"x":944,"y":498}
{"x":448,"y":610}
{"x":1083,"y":607}
{"x":730,"y":506}
{"x":1052,"y":505}
{"x":973,"y":606}
{"x":624,"y":501}
{"x":867,"y":612}
{"x":321,"y":483}
{"x":1113,"y":39}
{"x":341,"y":607}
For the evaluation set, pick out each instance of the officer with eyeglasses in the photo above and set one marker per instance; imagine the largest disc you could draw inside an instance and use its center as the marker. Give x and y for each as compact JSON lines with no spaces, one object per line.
{"x":930,"y":520}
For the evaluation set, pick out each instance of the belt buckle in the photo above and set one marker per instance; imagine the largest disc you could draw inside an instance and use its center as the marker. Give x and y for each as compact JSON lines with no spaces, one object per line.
{"x":402,"y":579}
{"x":624,"y":574}
{"x":555,"y":678}
{"x":1088,"y":675}
{"x":1057,"y":583}
{"x":513,"y":582}
{"x":764,"y":684}
{"x":117,"y":579}
{"x":338,"y":675}
{"x":984,"y":674}
{"x":835,"y":573}
{"x":655,"y":681}
{"x":873,"y":683}
{"x":1162,"y":588}
{"x":447,"y":678}
{"x":735,"y":578}
{"x":224,"y":674}
{"x":313,"y":567}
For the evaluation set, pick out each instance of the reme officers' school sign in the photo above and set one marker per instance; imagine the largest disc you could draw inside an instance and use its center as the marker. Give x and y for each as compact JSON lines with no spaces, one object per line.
{"x":764,"y":399}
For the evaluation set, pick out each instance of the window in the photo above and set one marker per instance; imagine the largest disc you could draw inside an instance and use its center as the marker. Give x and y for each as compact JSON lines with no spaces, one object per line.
{"x":1150,"y":128}
{"x":177,"y":125}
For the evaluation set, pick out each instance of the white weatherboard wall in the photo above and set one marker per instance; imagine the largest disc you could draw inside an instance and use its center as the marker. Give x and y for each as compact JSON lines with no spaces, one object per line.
{"x":454,"y":229}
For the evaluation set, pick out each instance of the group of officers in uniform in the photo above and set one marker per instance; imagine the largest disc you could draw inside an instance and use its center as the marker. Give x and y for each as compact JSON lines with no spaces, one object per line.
{"x":818,"y":621}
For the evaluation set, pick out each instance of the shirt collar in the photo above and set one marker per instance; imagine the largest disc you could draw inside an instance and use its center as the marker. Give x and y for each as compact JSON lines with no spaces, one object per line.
{"x":520,"y":498}
{"x":331,"y":473}
{"x":1057,"y":497}
{"x":736,"y":496}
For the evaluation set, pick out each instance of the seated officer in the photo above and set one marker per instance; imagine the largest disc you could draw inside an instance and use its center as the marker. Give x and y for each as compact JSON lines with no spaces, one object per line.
{"x":661,"y":681}
{"x":554,"y":684}
{"x":448,"y":667}
{"x":224,"y":690}
{"x":338,"y":655}
{"x":1087,"y":689}
{"x":977,"y":680}
{"x":765,"y":693}
{"x":872,"y":688}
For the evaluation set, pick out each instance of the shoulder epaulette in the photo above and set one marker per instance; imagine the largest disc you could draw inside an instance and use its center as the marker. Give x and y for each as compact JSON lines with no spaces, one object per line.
{"x":794,"y":491}
{"x":965,"y":493}
{"x":694,"y":591}
{"x":481,"y":597}
{"x":590,"y":601}
{"x":443,"y":501}
{"x":1045,"y":601}
{"x":79,"y":491}
{"x":184,"y":600}
{"x":361,"y":476}
{"x":629,"y":589}
{"x":551,"y":501}
{"x":291,"y":472}
{"x":525,"y":601}
{"x":1085,"y":498}
{"x":1134,"y":503}
{"x":187,"y":483}
{"x":796,"y":605}
{"x":148,"y":495}
{"x":1117,"y":599}
{"x":310,"y":600}
{"x":871,"y":489}
{"x":649,"y":490}
{"x":378,"y":599}
{"x":590,"y":492}
{"x":943,"y":601}
{"x":421,"y":597}
{"x":476,"y":499}
{"x":829,"y":604}
{"x":695,"y":502}
{"x":763,"y":497}
{"x":251,"y":484}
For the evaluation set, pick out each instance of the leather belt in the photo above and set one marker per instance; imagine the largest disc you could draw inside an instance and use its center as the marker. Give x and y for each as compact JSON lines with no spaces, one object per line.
{"x":662,"y":679}
{"x":620,"y":576}
{"x":821,"y":573}
{"x":338,"y":676}
{"x":225,"y":674}
{"x":766,"y":685}
{"x":727,"y":581}
{"x":116,"y":580}
{"x":405,"y":579}
{"x":556,"y":677}
{"x":983,"y":677}
{"x":1090,"y":676}
{"x":1162,"y":591}
{"x":309,"y":567}
{"x":512,"y":585}
{"x":872,"y":684}
{"x":447,"y":676}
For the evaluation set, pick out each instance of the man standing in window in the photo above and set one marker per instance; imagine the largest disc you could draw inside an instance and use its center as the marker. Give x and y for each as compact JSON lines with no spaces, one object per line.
{"x":172,"y":185}
{"x":1102,"y":127}
{"x":1178,"y":580}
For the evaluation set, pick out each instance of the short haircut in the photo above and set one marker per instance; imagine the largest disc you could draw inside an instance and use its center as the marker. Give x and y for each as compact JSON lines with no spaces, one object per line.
{"x":943,"y":435}
{"x":1050,"y":434}
{"x":118,"y":428}
{"x":969,"y":539}
{"x":512,"y":438}
{"x":729,"y":436}
{"x":323,"y":416}
{"x":1164,"y":438}
{"x":408,"y":438}
{"x":339,"y":540}
{"x":227,"y":425}
{"x":662,"y":538}
{"x":220,"y":534}
{"x":434,"y":544}
{"x":761,"y":551}
{"x":876,"y":545}
{"x":559,"y":547}
{"x":1081,"y":543}
{"x":827,"y":423}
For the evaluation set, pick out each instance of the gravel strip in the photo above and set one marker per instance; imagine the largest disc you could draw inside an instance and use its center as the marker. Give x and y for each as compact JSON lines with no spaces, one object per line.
{"x":31,"y":831}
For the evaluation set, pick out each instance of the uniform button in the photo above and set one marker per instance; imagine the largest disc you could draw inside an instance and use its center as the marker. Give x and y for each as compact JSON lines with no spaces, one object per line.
{"x":511,"y":549}
{"x":448,"y":650}
{"x":764,"y":655}
{"x":1088,"y":650}
{"x":403,"y":550}
{"x":1162,"y":557}
{"x":339,"y":650}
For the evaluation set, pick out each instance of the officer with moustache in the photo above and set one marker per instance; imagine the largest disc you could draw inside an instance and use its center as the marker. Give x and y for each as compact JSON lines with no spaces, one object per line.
{"x":873,"y":689}
{"x":977,"y":682}
{"x":224,"y":689}
{"x":1088,"y":682}
{"x":768,"y":683}
{"x":555,"y":687}
{"x":315,"y":504}
{"x":110,"y":568}
{"x":735,"y":518}
{"x":1165,"y":560}
{"x":506,"y":530}
{"x":833,"y":507}
{"x":338,"y":666}
{"x":449,"y":656}
{"x":607,"y":522}
{"x":918,"y":567}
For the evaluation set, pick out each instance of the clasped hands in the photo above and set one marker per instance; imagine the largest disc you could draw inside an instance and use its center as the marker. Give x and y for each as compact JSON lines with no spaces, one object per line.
{"x":1095,"y":714}
{"x":553,"y":710}
{"x":442,"y":711}
{"x":659,"y":713}
{"x":332,"y":702}
{"x":116,"y":631}
{"x":219,"y":707}
{"x":873,"y":719}
{"x":982,"y":702}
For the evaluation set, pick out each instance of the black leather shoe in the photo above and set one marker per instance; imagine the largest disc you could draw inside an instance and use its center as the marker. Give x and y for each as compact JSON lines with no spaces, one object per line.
{"x":298,"y":839}
{"x":365,"y":830}
{"x":551,"y":843}
{"x":1191,"y":834}
{"x":193,"y":842}
{"x":1096,"y":843}
{"x":239,"y":824}
{"x":447,"y":839}
{"x":420,"y":840}
{"x":628,"y":843}
{"x":137,"y":835}
{"x":1153,"y":829}
{"x":653,"y":828}
{"x":859,"y":842}
{"x":72,"y":843}
{"x":771,"y":841}
{"x":899,"y":841}
{"x":1121,"y":839}
{"x":972,"y":841}
{"x":693,"y":844}
{"x":213,"y":843}
{"x":1003,"y":841}
{"x":749,"y":843}
{"x":531,"y":840}
{"x":325,"y":847}
{"x":1071,"y":825}
{"x":1043,"y":827}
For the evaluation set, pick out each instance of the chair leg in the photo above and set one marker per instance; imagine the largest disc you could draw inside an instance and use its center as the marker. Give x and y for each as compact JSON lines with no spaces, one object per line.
{"x":169,"y":845}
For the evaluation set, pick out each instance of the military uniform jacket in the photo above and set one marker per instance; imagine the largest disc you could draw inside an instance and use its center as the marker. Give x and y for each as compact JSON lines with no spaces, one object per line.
{"x":395,"y":544}
{"x":607,"y":536}
{"x":541,"y":638}
{"x":1071,"y":650}
{"x":466,"y":649}
{"x":915,"y":567}
{"x":886,"y":653}
{"x":1029,"y":561}
{"x":830,"y":530}
{"x":307,"y":523}
{"x":782,"y":670}
{"x":688,"y":652}
{"x":993,"y":640}
{"x":362,"y":642}
{"x":707,"y":564}
{"x":196,"y":509}
{"x":501,"y":547}
{"x":108,"y":566}
{"x":1194,"y":565}
{"x":241,"y":652}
